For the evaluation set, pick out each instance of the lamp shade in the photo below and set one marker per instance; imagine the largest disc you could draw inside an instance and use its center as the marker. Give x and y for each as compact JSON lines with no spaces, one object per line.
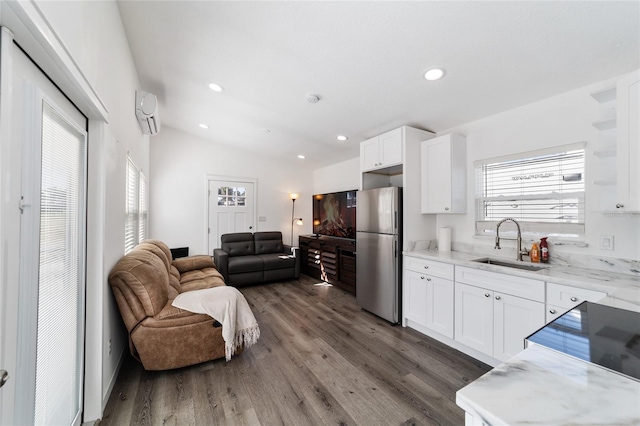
{"x":294,"y":196}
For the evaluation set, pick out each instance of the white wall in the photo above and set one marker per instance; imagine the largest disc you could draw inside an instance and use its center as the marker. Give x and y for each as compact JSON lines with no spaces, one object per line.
{"x":342,"y":176}
{"x":179,"y":166}
{"x":559,"y":120}
{"x":94,"y":38}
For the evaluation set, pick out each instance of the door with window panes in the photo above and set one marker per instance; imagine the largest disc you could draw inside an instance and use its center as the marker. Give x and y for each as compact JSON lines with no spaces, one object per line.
{"x":231,"y":209}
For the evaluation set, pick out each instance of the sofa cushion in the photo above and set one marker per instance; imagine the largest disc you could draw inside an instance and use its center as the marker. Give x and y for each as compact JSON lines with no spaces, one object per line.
{"x":245,"y":264}
{"x":238,"y":244}
{"x":268,"y":242}
{"x":273,"y":261}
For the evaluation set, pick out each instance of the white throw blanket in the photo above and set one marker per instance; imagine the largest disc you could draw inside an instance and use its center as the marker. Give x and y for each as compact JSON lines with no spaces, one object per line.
{"x":229,"y":307}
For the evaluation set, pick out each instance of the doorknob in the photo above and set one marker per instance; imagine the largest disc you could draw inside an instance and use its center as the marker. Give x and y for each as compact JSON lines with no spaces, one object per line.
{"x":4,"y":376}
{"x":251,"y":227}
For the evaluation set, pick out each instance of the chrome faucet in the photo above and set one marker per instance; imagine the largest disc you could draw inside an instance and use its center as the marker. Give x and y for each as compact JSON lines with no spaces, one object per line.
{"x":519,"y":250}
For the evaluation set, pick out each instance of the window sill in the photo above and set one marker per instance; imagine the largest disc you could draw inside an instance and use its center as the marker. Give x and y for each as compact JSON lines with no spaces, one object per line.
{"x":528,"y":240}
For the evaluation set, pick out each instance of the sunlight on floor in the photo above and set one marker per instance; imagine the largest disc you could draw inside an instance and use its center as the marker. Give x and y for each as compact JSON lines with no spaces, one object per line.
{"x":323,"y":284}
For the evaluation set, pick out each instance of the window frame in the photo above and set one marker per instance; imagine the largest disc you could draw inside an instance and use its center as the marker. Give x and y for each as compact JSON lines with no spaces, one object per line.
{"x":532,"y":229}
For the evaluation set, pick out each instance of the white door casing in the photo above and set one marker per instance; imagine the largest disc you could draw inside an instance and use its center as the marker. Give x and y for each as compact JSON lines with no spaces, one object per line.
{"x":231,"y":207}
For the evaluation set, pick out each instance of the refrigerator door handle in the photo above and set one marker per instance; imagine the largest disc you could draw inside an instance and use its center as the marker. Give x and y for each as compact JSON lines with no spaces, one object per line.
{"x":395,"y":221}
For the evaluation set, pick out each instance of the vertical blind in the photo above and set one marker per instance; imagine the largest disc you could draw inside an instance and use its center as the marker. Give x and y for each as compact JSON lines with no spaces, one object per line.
{"x":543,"y":192}
{"x":61,"y":266}
{"x":142,"y":220}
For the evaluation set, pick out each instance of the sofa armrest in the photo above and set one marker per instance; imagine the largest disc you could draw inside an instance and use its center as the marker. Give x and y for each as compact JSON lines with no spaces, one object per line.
{"x":288,"y":250}
{"x":193,"y":263}
{"x":221,"y":259}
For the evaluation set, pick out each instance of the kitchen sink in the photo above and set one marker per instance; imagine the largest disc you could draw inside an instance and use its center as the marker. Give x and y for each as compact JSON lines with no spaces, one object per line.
{"x":523,"y":266}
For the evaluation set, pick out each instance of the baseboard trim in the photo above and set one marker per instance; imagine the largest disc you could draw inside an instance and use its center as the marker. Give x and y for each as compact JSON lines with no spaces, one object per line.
{"x":112,"y":381}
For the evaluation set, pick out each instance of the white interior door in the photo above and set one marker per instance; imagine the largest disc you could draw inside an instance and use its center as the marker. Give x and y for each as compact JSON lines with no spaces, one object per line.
{"x":42,"y":339}
{"x":231,"y":208}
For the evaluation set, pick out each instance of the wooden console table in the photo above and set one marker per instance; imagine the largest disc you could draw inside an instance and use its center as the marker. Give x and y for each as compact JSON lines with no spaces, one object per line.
{"x":329,"y":259}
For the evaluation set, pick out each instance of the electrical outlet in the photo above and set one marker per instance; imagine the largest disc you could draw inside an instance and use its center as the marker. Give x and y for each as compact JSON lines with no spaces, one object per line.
{"x":606,"y":242}
{"x":262,"y":218}
{"x":109,"y":347}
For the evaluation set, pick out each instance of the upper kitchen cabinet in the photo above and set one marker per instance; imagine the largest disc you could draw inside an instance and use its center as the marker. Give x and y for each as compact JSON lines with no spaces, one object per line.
{"x":628,"y":147}
{"x":382,"y":151}
{"x":443,"y":171}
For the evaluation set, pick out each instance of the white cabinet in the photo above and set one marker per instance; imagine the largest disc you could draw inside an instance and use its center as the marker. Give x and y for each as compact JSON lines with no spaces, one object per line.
{"x":428,"y":295}
{"x":474,"y":317}
{"x":514,"y":319}
{"x":382,"y":151}
{"x":628,"y":147}
{"x":443,"y":168}
{"x":495,"y":312}
{"x":561,"y":298}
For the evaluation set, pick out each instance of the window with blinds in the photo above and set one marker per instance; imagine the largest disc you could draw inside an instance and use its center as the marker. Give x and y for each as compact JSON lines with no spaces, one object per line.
{"x":137,"y":207}
{"x":542,"y":190}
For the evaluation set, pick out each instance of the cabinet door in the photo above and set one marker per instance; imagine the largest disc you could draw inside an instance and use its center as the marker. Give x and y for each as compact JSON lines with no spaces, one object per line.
{"x":415,"y":297}
{"x":474,"y":317}
{"x":628,"y":155}
{"x":514,"y":319}
{"x":552,"y":312}
{"x":369,"y":154}
{"x":436,"y":180}
{"x":440,"y":305}
{"x":390,"y":148}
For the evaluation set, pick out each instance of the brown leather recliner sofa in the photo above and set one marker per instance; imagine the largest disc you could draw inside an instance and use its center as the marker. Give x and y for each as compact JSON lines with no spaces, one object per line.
{"x":247,"y":258}
{"x":162,"y":337}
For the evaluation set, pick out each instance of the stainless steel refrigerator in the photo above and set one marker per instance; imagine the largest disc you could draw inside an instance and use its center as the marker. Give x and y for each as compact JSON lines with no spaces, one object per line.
{"x":378,"y":245}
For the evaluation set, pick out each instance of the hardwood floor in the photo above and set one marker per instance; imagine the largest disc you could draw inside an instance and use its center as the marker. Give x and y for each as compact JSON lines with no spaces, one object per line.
{"x":320,"y":360}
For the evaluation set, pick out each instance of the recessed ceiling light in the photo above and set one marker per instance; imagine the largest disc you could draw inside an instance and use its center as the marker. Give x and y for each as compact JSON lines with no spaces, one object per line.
{"x":342,"y":138}
{"x":216,"y":87}
{"x":433,"y":74}
{"x":302,"y":157}
{"x":203,"y":126}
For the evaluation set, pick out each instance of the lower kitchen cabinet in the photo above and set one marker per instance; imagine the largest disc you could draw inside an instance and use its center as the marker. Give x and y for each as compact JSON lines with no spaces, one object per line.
{"x":428,"y":295}
{"x":474,"y":317}
{"x":495,"y":323}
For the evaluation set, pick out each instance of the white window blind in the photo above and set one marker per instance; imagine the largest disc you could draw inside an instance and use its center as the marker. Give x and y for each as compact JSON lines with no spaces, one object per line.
{"x":144,"y":214}
{"x":131,"y":233}
{"x":544,"y":191}
{"x":61,"y":271}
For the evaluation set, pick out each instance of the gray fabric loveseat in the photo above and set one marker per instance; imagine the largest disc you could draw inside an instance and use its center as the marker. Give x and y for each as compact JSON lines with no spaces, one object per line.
{"x":247,"y":258}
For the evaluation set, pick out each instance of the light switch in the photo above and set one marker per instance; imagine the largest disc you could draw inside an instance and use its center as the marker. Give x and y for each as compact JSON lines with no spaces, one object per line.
{"x":606,"y":242}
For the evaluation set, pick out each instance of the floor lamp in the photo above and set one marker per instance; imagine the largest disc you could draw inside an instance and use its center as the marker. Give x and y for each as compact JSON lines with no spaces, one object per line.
{"x":294,"y":220}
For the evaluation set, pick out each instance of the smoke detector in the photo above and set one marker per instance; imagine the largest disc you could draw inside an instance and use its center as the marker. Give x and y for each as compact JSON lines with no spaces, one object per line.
{"x":312,"y":99}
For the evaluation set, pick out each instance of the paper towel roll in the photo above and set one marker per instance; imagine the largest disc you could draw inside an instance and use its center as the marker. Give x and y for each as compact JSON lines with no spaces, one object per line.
{"x":444,"y":239}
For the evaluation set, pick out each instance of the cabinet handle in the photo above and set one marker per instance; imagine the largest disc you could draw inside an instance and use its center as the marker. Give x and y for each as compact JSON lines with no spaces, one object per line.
{"x":428,"y":279}
{"x":574,"y":299}
{"x":446,"y":208}
{"x":487,"y":295}
{"x":552,"y":311}
{"x":422,"y":277}
{"x":426,"y":267}
{"x":497,"y":297}
{"x":619,"y":206}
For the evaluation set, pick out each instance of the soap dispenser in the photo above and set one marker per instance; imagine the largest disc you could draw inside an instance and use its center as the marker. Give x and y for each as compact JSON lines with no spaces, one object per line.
{"x":544,"y":250}
{"x":535,"y":253}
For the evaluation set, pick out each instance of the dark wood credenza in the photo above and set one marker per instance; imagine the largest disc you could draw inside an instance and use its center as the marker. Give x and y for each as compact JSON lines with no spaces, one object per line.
{"x":329,"y":259}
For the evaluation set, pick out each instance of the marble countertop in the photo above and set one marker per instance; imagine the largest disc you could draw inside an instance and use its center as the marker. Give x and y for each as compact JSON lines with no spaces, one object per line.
{"x":623,"y":290}
{"x":542,"y":387}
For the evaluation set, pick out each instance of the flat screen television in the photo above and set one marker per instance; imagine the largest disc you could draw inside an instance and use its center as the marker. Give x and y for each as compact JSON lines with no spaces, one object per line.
{"x":334,"y":214}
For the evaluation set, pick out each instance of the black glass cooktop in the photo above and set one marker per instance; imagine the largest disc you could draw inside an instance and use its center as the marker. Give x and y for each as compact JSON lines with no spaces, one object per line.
{"x":609,"y":337}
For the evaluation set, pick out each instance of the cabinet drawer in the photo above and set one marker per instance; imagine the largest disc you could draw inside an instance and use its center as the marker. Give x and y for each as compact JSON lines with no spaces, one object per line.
{"x":565,"y":296}
{"x":428,"y":267}
{"x":516,"y":286}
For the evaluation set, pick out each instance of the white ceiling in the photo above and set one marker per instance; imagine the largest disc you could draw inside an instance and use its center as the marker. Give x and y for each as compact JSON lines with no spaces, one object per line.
{"x":365,"y":61}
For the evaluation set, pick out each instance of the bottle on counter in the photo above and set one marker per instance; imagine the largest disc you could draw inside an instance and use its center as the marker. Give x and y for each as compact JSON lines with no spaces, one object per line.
{"x":544,"y":250}
{"x":535,"y":253}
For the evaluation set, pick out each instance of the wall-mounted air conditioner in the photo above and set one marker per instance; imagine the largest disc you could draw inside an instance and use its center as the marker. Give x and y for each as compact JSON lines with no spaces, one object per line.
{"x":147,"y":112}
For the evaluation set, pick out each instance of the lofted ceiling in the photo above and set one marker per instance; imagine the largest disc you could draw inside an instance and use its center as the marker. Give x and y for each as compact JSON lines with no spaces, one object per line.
{"x":365,"y":61}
